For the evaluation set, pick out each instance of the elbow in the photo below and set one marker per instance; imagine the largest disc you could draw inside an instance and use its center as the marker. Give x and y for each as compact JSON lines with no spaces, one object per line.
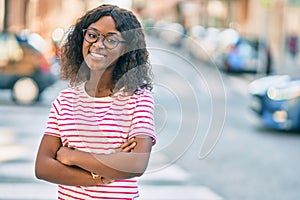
{"x":140,"y":169}
{"x":38,"y":172}
{"x":135,"y":170}
{"x":130,"y":175}
{"x":38,"y":175}
{"x":139,"y":174}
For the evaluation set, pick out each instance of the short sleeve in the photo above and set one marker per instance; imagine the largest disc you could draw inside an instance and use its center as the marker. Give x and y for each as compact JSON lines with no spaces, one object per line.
{"x":52,"y":123}
{"x":143,"y":117}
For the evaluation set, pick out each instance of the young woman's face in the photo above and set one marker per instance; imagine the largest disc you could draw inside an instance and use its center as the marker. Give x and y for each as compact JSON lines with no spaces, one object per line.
{"x":96,"y":55}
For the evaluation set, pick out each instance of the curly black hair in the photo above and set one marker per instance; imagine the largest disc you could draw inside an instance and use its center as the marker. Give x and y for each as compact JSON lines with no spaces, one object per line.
{"x":132,"y":71}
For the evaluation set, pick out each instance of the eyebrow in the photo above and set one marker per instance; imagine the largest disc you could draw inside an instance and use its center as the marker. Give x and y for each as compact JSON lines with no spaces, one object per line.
{"x":109,"y":33}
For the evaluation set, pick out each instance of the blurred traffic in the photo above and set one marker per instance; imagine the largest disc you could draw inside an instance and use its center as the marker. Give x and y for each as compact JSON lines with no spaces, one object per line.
{"x":23,"y":67}
{"x":229,"y":50}
{"x":234,"y":51}
{"x":276,"y":100}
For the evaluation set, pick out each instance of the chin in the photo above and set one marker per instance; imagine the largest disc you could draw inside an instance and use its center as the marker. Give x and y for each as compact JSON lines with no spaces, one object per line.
{"x":97,"y":67}
{"x":100,"y":67}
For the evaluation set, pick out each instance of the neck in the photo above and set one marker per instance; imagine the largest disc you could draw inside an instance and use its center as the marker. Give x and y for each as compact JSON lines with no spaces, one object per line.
{"x":100,"y":84}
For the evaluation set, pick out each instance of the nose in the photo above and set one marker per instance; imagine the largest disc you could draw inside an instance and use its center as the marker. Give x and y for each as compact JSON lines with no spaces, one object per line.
{"x":99,"y":42}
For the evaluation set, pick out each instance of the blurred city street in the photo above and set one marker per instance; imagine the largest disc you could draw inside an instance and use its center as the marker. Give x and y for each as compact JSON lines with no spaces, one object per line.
{"x":247,"y":162}
{"x":226,"y":91}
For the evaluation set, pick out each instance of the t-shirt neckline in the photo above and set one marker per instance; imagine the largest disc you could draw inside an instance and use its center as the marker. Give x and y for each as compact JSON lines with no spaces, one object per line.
{"x":91,"y":97}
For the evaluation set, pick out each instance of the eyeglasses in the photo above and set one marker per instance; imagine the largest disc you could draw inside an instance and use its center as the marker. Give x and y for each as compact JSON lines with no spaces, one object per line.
{"x":109,"y":41}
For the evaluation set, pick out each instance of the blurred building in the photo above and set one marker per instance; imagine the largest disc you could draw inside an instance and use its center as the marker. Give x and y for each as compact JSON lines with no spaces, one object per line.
{"x":274,"y":20}
{"x":41,"y":16}
{"x":45,"y":17}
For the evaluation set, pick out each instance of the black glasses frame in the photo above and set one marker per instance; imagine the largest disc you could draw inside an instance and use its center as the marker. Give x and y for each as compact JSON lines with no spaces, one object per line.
{"x":103,"y":38}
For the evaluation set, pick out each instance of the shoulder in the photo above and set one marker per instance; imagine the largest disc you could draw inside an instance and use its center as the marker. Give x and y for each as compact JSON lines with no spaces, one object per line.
{"x":139,"y":94}
{"x":67,"y":95}
{"x":70,"y":92}
{"x":138,"y":98}
{"x":144,"y":98}
{"x":143,"y":94}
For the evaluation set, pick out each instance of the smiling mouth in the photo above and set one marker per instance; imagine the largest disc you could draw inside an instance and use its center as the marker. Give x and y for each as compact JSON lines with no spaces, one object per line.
{"x":97,"y":55}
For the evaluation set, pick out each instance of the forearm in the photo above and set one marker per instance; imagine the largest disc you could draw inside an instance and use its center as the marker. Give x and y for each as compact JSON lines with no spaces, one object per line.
{"x":48,"y":168}
{"x":119,"y":165}
{"x":53,"y":171}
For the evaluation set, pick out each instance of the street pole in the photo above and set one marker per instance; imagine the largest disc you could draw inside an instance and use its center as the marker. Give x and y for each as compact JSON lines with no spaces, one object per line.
{"x":282,"y":54}
{"x":263,"y":44}
{"x":230,"y":13}
{"x":5,"y":19}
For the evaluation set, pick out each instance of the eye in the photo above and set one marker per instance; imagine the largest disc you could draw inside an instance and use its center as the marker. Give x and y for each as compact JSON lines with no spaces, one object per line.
{"x":112,"y":40}
{"x":92,"y":35}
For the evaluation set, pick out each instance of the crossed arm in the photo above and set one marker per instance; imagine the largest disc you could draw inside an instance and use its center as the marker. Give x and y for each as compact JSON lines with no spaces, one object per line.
{"x":66,"y":166}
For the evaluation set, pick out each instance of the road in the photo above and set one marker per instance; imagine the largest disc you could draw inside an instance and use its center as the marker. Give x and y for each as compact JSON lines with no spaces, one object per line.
{"x":210,"y":145}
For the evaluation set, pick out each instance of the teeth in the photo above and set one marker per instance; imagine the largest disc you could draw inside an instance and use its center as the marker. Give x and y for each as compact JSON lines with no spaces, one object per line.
{"x":97,"y":55}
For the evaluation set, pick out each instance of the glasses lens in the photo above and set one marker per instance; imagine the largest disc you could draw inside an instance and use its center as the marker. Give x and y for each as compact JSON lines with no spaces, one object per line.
{"x":110,"y":42}
{"x":91,"y":36}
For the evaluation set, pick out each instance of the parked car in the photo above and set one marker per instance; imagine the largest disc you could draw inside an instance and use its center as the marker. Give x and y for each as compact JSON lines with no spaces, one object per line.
{"x":172,"y":33}
{"x":225,"y":40}
{"x":202,"y":42}
{"x":23,"y":69}
{"x":276,"y":100}
{"x":245,"y":56}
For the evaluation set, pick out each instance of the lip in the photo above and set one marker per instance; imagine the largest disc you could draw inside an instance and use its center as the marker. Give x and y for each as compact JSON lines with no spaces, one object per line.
{"x":97,"y":55}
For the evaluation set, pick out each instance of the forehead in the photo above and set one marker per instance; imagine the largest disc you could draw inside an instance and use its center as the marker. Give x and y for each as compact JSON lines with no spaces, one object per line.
{"x":104,"y":25}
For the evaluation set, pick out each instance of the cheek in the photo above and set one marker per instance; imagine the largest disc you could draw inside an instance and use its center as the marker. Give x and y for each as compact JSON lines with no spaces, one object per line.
{"x":85,"y":49}
{"x":116,"y":54}
{"x":121,"y":52}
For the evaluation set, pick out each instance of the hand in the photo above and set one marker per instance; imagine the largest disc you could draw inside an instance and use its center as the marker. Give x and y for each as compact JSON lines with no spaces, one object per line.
{"x":128,"y":146}
{"x":64,"y":155}
{"x":106,"y":181}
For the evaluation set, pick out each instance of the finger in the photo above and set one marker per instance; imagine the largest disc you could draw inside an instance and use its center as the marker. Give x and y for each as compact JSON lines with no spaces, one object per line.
{"x":70,"y":147}
{"x":129,"y":148}
{"x":127,"y":143}
{"x":106,"y":181}
{"x":102,"y":180}
{"x":111,"y":181}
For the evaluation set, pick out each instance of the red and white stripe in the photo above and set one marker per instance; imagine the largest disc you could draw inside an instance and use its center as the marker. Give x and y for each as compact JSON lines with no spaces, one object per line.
{"x":100,"y":125}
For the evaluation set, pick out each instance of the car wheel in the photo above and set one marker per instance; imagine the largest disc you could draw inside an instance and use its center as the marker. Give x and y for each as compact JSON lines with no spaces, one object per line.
{"x":25,"y":91}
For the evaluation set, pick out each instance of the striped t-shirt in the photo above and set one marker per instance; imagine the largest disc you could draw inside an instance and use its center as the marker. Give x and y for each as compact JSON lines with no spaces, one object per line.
{"x":100,"y":125}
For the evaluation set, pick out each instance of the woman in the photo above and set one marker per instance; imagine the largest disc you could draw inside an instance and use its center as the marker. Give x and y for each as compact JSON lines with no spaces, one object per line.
{"x":101,"y":129}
